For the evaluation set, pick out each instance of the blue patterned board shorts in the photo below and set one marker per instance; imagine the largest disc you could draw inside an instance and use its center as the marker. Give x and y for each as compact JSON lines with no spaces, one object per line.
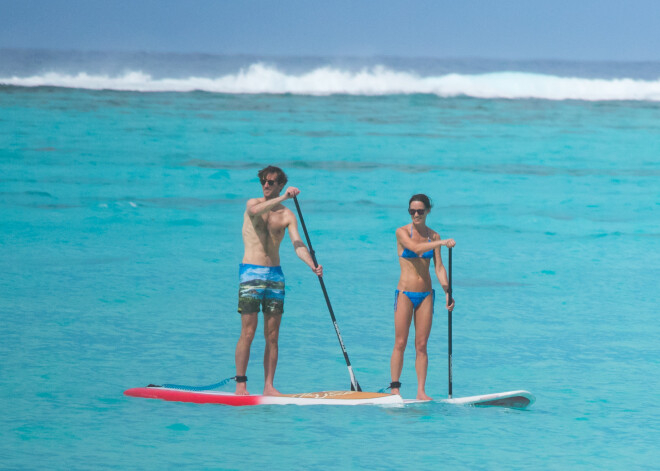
{"x":260,"y":286}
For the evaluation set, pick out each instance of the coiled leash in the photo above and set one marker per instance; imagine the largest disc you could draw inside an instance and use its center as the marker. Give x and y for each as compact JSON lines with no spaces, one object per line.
{"x":238,"y":379}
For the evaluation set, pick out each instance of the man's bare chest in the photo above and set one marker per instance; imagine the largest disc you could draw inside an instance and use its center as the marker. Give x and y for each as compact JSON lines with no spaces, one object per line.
{"x":272,"y":223}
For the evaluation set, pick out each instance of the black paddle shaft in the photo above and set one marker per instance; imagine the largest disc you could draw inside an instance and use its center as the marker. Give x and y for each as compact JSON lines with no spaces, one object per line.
{"x":449,"y":333}
{"x":355,"y":386}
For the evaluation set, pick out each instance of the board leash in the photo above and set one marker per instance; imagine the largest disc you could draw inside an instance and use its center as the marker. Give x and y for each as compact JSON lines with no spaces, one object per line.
{"x":195,"y":388}
{"x":393,"y":384}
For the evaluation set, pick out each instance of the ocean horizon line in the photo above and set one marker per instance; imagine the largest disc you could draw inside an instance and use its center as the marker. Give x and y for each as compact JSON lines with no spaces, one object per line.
{"x":355,"y":56}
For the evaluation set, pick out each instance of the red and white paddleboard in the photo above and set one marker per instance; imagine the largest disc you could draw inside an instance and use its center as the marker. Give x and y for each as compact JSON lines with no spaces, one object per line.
{"x":335,"y":398}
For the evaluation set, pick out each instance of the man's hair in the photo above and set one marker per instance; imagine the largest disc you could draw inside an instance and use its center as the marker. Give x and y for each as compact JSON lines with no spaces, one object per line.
{"x":422,"y":198}
{"x":281,"y":176}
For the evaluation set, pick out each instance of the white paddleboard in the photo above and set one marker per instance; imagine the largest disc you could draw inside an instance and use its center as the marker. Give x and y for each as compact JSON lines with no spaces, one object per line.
{"x":513,"y":399}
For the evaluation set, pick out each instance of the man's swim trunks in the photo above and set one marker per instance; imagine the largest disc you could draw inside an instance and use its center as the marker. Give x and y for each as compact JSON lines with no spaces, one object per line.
{"x":260,"y":286}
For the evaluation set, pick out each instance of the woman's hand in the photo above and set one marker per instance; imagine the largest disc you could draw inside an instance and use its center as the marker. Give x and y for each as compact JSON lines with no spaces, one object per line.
{"x":450,"y":307}
{"x":449,"y":243}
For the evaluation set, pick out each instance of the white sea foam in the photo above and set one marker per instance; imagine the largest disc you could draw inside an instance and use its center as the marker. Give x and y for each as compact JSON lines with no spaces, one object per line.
{"x":379,"y":80}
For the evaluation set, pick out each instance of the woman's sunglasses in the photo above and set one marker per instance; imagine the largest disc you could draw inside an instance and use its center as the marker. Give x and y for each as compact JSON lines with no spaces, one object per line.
{"x":418,"y":211}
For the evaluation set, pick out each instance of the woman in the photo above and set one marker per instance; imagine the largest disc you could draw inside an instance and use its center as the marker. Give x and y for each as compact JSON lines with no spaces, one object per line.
{"x":417,"y":245}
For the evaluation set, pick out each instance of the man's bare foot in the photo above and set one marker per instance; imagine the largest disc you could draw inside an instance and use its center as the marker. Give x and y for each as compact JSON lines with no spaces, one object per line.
{"x":421,"y":396}
{"x":395,"y":391}
{"x":271,"y":391}
{"x":241,"y":389}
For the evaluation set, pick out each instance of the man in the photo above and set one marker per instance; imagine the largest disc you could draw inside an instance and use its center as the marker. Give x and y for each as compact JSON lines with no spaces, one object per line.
{"x":261,"y":277}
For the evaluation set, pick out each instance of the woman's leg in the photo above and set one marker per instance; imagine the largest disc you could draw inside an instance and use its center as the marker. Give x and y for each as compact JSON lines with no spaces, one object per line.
{"x":423,"y":322}
{"x":402,"y":318}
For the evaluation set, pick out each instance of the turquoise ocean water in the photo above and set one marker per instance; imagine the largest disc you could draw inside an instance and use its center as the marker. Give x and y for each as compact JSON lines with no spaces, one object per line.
{"x":121,"y":205}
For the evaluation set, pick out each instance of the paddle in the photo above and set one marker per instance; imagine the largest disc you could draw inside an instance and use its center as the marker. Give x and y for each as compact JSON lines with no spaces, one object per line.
{"x":355,"y":386}
{"x":449,"y":333}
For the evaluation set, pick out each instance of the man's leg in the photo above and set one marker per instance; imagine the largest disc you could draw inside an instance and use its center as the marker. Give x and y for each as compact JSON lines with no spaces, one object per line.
{"x":271,"y":334}
{"x":248,"y":328}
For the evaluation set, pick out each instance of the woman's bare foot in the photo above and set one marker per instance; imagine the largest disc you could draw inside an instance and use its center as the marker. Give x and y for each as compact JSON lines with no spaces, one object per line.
{"x":241,"y":389}
{"x":421,"y":396}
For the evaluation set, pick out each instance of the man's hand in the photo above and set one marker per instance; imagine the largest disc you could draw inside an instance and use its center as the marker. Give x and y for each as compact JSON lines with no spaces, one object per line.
{"x":449,"y":243}
{"x":318,"y":270}
{"x":291,"y":192}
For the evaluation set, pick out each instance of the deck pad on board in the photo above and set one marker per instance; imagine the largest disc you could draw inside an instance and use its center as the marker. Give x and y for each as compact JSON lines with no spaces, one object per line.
{"x":340,"y":395}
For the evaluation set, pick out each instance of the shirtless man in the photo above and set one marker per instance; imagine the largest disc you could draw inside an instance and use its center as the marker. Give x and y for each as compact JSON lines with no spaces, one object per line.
{"x":261,"y":277}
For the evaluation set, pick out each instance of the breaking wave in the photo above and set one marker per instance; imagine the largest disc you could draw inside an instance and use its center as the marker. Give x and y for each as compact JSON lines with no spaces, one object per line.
{"x":260,"y":78}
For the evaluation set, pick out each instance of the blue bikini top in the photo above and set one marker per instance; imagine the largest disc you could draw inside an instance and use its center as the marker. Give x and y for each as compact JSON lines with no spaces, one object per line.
{"x":407,"y":253}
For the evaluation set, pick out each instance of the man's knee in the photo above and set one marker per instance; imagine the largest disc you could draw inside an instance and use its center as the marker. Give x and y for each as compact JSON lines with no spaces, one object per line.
{"x":247,"y":335}
{"x":248,"y":326}
{"x":272,"y":328}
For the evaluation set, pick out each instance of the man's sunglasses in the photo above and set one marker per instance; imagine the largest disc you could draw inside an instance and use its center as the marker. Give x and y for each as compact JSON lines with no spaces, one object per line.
{"x":418,"y":211}
{"x":270,"y":182}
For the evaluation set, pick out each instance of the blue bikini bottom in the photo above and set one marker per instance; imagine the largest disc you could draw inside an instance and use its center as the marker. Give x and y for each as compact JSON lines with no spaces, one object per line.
{"x":415,"y":297}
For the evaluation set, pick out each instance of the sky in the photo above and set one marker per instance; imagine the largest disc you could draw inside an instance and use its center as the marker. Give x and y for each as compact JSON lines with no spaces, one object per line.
{"x":616,"y":30}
